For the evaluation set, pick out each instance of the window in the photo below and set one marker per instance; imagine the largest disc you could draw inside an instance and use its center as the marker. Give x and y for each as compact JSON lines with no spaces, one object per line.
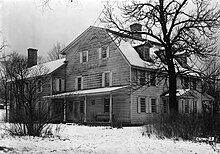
{"x":143,"y":104}
{"x":60,"y":85}
{"x":165,"y":106}
{"x":81,"y":106}
{"x":193,"y":84}
{"x":194,"y":106}
{"x":187,"y":106}
{"x":142,"y":78}
{"x":79,"y":83}
{"x":83,"y":56}
{"x":106,"y":79}
{"x":106,"y":104}
{"x":104,"y":52}
{"x":153,"y":105}
{"x":39,"y":86}
{"x":186,"y":83}
{"x":152,"y":79}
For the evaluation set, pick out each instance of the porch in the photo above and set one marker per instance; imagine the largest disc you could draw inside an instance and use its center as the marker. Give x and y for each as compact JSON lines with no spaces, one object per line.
{"x":102,"y":105}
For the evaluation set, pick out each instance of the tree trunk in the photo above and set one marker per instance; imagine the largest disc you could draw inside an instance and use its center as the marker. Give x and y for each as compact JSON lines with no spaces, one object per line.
{"x":173,"y":105}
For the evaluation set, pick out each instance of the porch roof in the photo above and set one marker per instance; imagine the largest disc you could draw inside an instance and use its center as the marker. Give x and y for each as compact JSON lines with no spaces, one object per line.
{"x":105,"y":90}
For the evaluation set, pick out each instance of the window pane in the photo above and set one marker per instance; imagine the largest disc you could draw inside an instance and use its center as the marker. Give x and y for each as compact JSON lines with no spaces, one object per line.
{"x":187,"y":106}
{"x":153,"y":106}
{"x":106,"y":104}
{"x":79,"y":83}
{"x":104,"y":52}
{"x":152,"y":79}
{"x":142,"y":78}
{"x":186,"y":83}
{"x":164,"y":106}
{"x":84,"y":56}
{"x":143,"y":105}
{"x":107,"y":79}
{"x":194,"y":106}
{"x":81,"y":106}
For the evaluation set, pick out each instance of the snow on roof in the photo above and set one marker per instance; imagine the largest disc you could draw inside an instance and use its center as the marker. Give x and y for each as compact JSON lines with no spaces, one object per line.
{"x":86,"y":92}
{"x":132,"y":56}
{"x":46,"y":68}
{"x":180,"y":92}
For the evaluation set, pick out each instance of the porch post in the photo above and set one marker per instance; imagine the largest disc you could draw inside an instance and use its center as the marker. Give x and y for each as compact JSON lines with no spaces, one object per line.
{"x":64,"y":110}
{"x":110,"y":109}
{"x":85,"y":108}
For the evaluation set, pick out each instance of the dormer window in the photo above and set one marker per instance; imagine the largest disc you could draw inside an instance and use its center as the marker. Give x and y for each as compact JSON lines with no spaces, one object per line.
{"x":103,"y":52}
{"x":84,"y":56}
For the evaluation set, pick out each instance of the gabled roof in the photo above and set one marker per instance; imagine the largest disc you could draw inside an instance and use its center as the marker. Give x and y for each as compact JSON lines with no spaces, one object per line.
{"x":46,"y":68}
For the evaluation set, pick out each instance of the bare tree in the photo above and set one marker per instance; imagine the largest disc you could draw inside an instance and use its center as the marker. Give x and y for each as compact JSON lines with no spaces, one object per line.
{"x":179,"y":26}
{"x":28,"y":112}
{"x":54,"y":53}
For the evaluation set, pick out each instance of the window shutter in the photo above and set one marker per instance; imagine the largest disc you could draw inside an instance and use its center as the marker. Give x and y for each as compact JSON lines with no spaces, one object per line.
{"x":107,"y":52}
{"x":81,"y":82}
{"x":103,"y":79}
{"x":138,"y":105}
{"x":76,"y":79}
{"x":138,"y":77}
{"x":100,"y":52}
{"x":157,"y":106}
{"x":110,"y":80}
{"x":87,"y":56}
{"x":150,"y":106}
{"x":62,"y":84}
{"x":147,"y":105}
{"x":57,"y":84}
{"x":80,"y":57}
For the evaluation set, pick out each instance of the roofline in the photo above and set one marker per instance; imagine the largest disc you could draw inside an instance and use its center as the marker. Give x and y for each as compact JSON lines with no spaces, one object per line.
{"x":139,"y":39}
{"x":76,"y":39}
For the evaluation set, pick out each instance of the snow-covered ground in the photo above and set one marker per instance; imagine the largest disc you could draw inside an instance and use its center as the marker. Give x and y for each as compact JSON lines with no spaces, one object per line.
{"x":101,"y":140}
{"x":2,"y":114}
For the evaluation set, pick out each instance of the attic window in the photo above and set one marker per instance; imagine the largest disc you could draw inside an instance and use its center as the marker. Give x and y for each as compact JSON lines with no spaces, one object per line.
{"x":84,"y":56}
{"x":104,"y":52}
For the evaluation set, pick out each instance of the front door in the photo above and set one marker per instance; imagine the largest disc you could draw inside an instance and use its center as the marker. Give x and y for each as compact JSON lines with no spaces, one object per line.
{"x":76,"y":112}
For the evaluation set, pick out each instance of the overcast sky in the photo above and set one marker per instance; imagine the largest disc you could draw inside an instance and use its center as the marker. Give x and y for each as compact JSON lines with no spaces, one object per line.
{"x":25,"y":23}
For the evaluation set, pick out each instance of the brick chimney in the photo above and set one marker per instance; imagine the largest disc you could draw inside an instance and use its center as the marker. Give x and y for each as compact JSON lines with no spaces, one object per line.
{"x":32,"y":57}
{"x":136,"y":27}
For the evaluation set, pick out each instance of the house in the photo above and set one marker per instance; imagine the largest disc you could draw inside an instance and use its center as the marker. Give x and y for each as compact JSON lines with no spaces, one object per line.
{"x":38,"y":80}
{"x":104,"y":81}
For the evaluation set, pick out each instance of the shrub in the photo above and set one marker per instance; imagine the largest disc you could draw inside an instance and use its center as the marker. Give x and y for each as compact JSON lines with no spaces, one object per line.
{"x":188,"y":126}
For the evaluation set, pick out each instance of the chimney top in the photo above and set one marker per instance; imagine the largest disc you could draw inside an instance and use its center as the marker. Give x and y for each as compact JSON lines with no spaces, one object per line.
{"x":136,"y":27}
{"x":32,"y":57}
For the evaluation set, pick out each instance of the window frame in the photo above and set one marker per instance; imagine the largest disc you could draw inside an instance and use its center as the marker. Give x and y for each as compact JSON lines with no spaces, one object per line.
{"x":81,"y":106}
{"x":152,"y":79}
{"x":77,"y":83}
{"x":143,"y":104}
{"x":152,"y":107}
{"x":60,"y":84}
{"x":82,"y":54}
{"x":106,"y":52}
{"x":104,"y":79}
{"x":106,"y":105}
